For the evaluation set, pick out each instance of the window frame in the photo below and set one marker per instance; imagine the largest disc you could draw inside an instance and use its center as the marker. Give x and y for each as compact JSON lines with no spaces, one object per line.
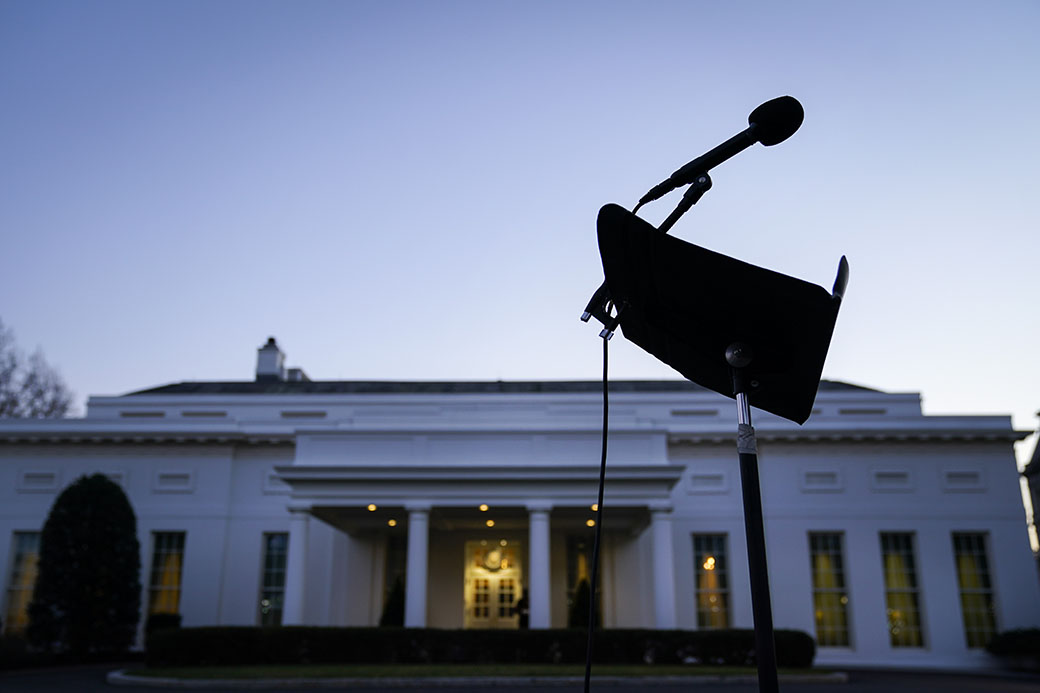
{"x":988,"y":592}
{"x":264,"y":589}
{"x":154,"y":590}
{"x":717,"y":547}
{"x":10,"y":588}
{"x":895,"y":594}
{"x":841,"y":589}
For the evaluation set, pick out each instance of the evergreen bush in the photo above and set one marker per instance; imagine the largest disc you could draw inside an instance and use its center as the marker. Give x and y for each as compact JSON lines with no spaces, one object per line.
{"x":393,"y":609}
{"x":578,"y":615}
{"x":88,"y":591}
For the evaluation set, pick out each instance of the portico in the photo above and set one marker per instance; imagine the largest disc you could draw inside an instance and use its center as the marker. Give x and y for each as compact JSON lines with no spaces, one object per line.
{"x":457,"y":523}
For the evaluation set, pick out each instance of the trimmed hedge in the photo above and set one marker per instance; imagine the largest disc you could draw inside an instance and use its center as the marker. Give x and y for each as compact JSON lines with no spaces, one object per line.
{"x":229,"y":646}
{"x":1014,"y":643}
{"x":16,"y":653}
{"x":158,"y":622}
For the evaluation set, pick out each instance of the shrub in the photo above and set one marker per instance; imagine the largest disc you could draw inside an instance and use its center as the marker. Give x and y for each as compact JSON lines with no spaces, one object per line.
{"x":578,"y":614}
{"x":795,"y":649}
{"x":88,"y":591}
{"x":15,"y":654}
{"x":1016,"y":643}
{"x":393,"y":609}
{"x":317,"y":645}
{"x":161,"y":622}
{"x":158,"y":622}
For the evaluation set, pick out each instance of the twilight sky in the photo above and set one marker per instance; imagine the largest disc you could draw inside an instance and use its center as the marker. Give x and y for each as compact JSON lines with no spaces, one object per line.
{"x":408,"y":190}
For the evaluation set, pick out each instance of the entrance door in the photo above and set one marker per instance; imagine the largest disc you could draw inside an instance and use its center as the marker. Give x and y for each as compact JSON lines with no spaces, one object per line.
{"x":493,"y":584}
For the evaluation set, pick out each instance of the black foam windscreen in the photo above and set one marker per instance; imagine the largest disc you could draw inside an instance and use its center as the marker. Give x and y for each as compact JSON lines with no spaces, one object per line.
{"x":686,"y":304}
{"x":776,"y":120}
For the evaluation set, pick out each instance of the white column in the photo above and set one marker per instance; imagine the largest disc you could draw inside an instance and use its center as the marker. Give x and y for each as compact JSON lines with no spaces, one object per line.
{"x":296,"y":568}
{"x":663,"y":567}
{"x":539,"y":574}
{"x":417,"y":566}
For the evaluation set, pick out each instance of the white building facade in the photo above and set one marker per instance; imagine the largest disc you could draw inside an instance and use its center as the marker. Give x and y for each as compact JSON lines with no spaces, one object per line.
{"x":894,"y":538}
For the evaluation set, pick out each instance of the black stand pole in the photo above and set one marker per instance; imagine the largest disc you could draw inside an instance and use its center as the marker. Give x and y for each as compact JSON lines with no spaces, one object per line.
{"x":738,"y":356}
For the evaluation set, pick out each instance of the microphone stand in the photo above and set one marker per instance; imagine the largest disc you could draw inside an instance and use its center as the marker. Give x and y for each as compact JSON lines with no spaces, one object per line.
{"x":739,"y":356}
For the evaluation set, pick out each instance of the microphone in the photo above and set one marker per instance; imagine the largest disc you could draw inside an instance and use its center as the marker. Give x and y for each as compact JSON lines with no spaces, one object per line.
{"x":771,"y":123}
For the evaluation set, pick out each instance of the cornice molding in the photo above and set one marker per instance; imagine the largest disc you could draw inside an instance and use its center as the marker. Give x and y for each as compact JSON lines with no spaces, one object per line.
{"x":142,"y":437}
{"x":853,"y":436}
{"x":411,"y":473}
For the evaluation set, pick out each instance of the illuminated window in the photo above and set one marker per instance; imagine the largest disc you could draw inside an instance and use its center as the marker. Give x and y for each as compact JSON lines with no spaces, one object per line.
{"x":272,"y":587}
{"x":481,"y":598}
{"x":25,"y":557}
{"x":164,"y":595}
{"x":901,"y":593}
{"x":830,"y":599}
{"x":506,"y":597}
{"x":709,"y":555}
{"x":980,"y":624}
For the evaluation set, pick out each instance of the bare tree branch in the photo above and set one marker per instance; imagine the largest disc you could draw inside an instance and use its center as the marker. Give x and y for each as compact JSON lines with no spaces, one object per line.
{"x":29,"y":387}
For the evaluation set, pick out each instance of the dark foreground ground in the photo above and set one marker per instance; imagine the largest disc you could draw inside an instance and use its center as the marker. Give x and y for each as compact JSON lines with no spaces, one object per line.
{"x":92,"y":679}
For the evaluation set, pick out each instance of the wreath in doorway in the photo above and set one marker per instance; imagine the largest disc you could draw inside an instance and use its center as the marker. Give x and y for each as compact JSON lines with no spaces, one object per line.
{"x":493,"y":560}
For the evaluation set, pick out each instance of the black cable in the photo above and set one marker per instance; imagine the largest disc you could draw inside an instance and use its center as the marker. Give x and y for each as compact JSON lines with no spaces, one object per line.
{"x":599,"y":529}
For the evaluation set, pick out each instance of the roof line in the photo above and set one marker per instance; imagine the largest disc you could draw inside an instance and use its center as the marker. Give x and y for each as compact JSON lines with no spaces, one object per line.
{"x":282,"y":387}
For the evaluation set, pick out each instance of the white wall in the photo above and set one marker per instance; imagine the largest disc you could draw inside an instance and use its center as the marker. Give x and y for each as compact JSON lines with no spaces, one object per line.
{"x":860,"y":508}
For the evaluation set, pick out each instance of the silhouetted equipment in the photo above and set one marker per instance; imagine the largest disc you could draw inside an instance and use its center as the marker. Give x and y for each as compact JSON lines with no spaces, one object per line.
{"x":771,"y":123}
{"x":743,"y":331}
{"x":686,"y":305}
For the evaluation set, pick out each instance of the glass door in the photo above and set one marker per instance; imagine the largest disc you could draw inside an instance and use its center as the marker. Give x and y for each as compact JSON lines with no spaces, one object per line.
{"x":493,"y":584}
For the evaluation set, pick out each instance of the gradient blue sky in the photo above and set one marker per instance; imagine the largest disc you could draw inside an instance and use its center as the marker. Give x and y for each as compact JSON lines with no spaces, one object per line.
{"x":408,"y":190}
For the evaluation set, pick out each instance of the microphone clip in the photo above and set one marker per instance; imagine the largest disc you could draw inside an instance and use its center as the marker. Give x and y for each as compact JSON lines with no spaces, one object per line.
{"x":603,"y":309}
